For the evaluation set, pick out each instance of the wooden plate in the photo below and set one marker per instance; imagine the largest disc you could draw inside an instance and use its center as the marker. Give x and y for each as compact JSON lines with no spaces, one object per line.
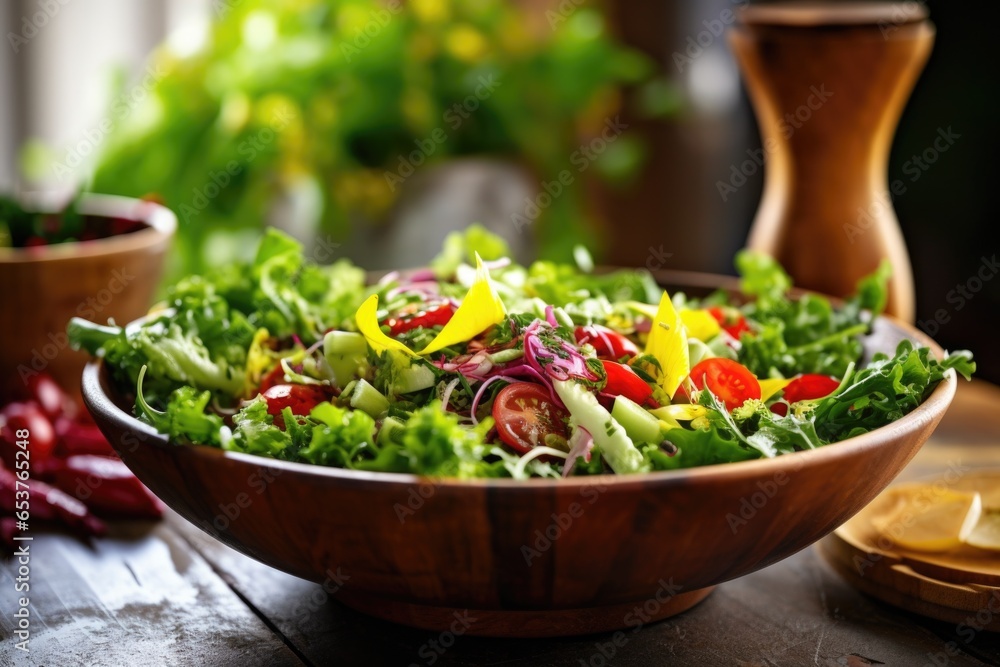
{"x":960,"y":586}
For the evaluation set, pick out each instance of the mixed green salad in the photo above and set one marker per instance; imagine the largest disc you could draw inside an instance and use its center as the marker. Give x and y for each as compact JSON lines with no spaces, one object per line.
{"x":479,"y":367}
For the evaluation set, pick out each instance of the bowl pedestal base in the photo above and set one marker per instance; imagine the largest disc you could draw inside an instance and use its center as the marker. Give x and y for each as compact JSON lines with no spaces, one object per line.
{"x":524,"y":623}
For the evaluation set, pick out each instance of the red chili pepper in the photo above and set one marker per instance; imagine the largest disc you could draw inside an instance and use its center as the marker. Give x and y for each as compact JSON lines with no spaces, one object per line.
{"x":48,"y":503}
{"x":53,"y":401}
{"x":25,"y":416}
{"x":107,"y":487}
{"x":608,"y":344}
{"x":810,"y":386}
{"x":51,"y":398}
{"x":623,"y":381}
{"x":75,"y":437}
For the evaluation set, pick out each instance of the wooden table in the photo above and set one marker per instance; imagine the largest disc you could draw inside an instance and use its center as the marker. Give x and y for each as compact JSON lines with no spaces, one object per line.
{"x":167,"y":594}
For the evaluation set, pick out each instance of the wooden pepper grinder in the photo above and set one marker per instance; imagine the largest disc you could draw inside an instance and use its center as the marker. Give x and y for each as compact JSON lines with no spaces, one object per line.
{"x":828,"y":82}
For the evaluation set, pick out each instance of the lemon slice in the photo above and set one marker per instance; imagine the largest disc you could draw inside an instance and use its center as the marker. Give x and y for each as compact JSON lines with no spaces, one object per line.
{"x":923,"y":517}
{"x":986,"y":534}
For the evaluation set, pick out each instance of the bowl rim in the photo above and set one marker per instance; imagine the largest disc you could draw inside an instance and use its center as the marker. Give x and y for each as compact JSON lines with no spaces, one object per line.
{"x":161,"y":223}
{"x":98,"y":401}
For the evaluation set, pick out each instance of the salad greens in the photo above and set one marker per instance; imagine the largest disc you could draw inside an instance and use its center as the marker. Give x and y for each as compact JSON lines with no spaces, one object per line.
{"x":479,"y":367}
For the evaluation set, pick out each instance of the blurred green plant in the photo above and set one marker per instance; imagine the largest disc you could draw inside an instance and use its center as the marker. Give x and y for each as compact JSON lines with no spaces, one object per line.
{"x":345,"y":93}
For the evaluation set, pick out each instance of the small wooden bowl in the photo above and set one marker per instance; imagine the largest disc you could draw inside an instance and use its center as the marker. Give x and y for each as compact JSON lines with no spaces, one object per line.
{"x":44,"y":287}
{"x":535,"y":558}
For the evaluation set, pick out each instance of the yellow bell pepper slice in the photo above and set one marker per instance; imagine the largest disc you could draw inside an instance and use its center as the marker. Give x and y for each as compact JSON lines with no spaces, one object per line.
{"x":367,"y":320}
{"x":480,"y":309}
{"x":668,"y":344}
{"x":772,"y":386}
{"x":258,"y":359}
{"x":679,"y":412}
{"x":700,"y":324}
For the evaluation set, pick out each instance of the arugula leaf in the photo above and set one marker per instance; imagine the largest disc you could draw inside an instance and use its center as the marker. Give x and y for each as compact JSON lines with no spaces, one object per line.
{"x":887,"y":389}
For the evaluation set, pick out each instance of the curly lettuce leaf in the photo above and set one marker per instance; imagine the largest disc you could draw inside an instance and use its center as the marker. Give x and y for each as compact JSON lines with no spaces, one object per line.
{"x":461,"y":247}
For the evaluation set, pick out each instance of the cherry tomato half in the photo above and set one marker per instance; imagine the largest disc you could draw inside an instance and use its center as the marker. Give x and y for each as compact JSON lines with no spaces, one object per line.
{"x":730,"y":319}
{"x":810,"y":386}
{"x":437,"y":315}
{"x":607,"y":343}
{"x":525,"y":414}
{"x":301,"y":398}
{"x":727,"y":379}
{"x":623,"y":381}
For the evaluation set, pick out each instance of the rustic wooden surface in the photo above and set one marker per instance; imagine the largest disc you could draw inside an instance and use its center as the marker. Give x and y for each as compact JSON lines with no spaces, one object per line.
{"x":168,"y":594}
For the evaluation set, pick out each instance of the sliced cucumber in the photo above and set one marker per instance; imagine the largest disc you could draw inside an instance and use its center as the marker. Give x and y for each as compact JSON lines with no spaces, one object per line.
{"x":636,"y":420}
{"x":347,"y":354}
{"x":413,"y":378}
{"x":697,"y":351}
{"x":720,"y":348}
{"x":609,"y":436}
{"x":390,"y":428}
{"x":369,"y":399}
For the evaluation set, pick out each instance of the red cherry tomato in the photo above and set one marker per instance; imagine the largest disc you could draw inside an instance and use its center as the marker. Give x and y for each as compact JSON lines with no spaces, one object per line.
{"x":623,"y":381}
{"x":809,"y":387}
{"x":780,"y":409}
{"x":727,"y":379}
{"x":607,"y":343}
{"x":438,"y":315}
{"x":730,"y":319}
{"x":525,"y":414}
{"x":301,"y":398}
{"x":272,"y":378}
{"x":41,"y":436}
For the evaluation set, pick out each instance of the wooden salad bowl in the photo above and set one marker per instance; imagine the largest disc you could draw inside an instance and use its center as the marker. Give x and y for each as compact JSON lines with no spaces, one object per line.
{"x":109,"y":278}
{"x":536,"y":558}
